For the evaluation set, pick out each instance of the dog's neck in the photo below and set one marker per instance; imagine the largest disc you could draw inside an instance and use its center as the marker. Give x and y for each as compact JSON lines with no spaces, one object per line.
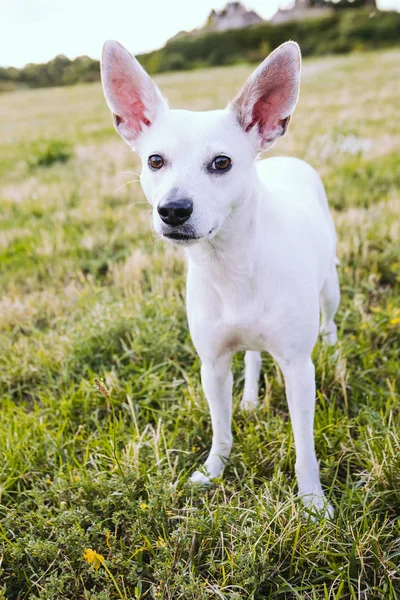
{"x":228,"y":255}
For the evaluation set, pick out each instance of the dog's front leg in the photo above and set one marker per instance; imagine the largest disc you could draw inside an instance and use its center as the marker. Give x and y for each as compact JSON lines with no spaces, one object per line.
{"x":299,"y":377}
{"x":216,"y":377}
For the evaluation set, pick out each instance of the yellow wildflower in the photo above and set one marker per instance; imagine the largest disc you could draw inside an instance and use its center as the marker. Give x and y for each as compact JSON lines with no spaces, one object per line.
{"x":395,"y":321}
{"x":93,"y":558}
{"x":376,"y":309}
{"x":143,"y":506}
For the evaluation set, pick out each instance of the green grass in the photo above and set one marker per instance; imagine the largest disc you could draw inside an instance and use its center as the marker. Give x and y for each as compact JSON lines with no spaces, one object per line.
{"x":48,"y":153}
{"x":86,"y":292}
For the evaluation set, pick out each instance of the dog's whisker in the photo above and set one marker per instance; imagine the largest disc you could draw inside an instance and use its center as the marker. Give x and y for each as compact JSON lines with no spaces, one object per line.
{"x":135,"y":203}
{"x":125,"y":184}
{"x":128,"y":173}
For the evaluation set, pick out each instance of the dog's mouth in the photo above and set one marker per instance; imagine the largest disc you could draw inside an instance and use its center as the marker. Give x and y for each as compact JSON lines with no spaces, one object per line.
{"x":187,"y":236}
{"x":180,"y":237}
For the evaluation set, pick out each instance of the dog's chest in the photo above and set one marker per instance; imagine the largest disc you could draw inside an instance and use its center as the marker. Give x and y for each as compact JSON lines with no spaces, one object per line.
{"x":240,"y":311}
{"x":241,"y":322}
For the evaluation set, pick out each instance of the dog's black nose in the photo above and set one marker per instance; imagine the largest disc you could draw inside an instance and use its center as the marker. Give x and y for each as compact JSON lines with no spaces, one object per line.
{"x":175,"y":212}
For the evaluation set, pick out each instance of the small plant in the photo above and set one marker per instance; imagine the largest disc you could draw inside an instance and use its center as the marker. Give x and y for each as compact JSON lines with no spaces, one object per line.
{"x":97,"y":560}
{"x":48,"y":152}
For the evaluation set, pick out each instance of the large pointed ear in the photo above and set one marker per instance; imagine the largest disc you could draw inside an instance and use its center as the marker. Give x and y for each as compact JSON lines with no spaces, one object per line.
{"x":267,"y":100}
{"x":132,"y":96}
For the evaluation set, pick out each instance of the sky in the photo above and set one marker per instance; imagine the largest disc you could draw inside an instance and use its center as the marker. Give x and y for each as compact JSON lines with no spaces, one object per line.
{"x":37,"y":30}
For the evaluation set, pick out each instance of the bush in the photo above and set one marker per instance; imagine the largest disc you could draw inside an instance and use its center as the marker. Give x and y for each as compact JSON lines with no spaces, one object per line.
{"x":46,"y":153}
{"x":174,"y":62}
{"x":260,"y":53}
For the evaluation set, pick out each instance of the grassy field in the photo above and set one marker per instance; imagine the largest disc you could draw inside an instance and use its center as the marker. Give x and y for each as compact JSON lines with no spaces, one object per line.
{"x":87,"y":292}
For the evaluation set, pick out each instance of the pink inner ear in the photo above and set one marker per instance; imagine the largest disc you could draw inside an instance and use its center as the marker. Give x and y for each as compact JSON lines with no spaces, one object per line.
{"x":269,"y":96}
{"x":266,"y":113}
{"x":130,"y":104}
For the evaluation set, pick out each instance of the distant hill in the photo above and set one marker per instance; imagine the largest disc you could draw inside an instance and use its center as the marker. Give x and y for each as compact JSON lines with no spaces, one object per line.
{"x":339,"y":31}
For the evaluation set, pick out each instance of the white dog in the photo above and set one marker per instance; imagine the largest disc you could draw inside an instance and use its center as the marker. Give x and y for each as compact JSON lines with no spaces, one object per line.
{"x":259,"y":238}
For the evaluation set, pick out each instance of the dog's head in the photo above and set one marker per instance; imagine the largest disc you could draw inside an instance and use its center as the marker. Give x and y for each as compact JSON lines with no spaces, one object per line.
{"x":197,"y":167}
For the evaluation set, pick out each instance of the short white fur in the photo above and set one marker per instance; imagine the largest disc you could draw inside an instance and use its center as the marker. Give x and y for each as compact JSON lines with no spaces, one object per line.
{"x":260,"y":242}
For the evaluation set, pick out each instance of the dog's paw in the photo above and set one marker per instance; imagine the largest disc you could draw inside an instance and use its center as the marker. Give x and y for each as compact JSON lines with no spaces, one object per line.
{"x":249,"y":402}
{"x":329,"y":336}
{"x":201,"y":478}
{"x":318,"y":506}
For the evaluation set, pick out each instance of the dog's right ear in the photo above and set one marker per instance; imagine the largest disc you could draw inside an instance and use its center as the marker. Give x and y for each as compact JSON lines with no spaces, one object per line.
{"x":132,"y":96}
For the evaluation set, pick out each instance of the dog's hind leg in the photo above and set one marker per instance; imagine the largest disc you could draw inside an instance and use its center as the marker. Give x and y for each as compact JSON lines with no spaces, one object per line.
{"x":329,"y":302}
{"x":252,"y":361}
{"x":216,"y":377}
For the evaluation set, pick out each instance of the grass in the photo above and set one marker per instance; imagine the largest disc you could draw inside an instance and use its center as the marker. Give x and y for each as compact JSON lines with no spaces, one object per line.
{"x":87,"y":292}
{"x":48,"y":153}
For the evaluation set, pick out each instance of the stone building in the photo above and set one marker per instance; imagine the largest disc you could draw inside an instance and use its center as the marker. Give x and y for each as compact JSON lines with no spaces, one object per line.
{"x":309,"y":9}
{"x":302,"y":9}
{"x":233,"y":16}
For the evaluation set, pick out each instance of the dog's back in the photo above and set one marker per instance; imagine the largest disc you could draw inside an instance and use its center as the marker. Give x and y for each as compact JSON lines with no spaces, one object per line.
{"x":296,"y":174}
{"x":295,"y":195}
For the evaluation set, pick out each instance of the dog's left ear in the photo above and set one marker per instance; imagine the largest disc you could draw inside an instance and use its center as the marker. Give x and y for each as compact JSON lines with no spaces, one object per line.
{"x":267,"y":100}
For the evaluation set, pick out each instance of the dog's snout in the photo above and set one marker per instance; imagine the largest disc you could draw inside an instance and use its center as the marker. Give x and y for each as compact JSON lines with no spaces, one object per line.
{"x":175,"y":212}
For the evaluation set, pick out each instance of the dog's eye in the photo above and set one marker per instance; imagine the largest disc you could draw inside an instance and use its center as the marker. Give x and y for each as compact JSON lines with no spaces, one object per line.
{"x":221,"y":163}
{"x":155,"y":162}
